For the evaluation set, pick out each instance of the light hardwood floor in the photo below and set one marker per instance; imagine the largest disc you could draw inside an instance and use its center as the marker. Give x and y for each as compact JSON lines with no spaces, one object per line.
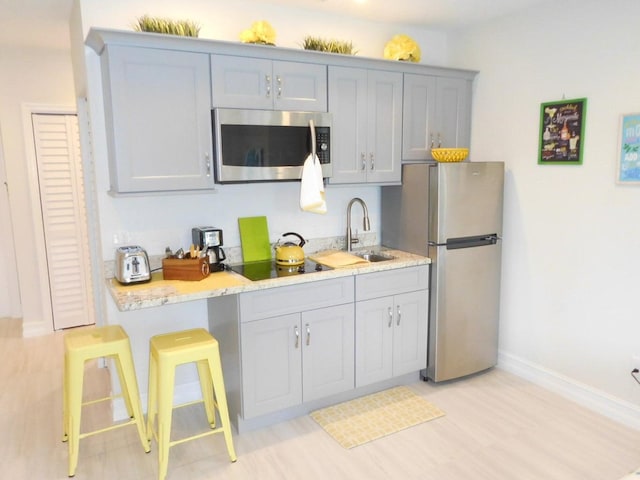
{"x":497,"y":427}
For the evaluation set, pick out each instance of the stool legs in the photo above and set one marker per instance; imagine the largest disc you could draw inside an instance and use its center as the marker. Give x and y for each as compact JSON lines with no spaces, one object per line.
{"x":109,"y":342}
{"x":74,"y":382}
{"x":206,"y":386}
{"x":165,"y":412}
{"x":129,"y":386}
{"x":167,"y":351}
{"x":152,"y":397}
{"x":65,"y":404}
{"x":221,"y":398}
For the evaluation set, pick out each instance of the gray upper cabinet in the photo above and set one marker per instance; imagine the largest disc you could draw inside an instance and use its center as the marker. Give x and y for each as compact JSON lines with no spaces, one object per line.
{"x":258,"y":83}
{"x":366,"y":133}
{"x":157,"y":109}
{"x":159,"y":91}
{"x":436,"y":113}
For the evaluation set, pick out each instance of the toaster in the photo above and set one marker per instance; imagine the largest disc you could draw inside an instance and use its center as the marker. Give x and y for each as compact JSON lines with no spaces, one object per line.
{"x":132,"y":265}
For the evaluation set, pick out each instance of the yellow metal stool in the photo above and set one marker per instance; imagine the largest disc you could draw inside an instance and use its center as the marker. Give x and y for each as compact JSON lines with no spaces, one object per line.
{"x":166,"y":352}
{"x":87,"y":344}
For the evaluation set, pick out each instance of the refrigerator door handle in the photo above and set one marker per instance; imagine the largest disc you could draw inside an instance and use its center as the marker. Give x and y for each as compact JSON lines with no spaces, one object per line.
{"x":475,"y":241}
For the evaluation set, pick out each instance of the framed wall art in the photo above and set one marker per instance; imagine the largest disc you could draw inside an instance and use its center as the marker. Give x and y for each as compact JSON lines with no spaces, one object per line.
{"x":562,"y":132}
{"x":629,"y":149}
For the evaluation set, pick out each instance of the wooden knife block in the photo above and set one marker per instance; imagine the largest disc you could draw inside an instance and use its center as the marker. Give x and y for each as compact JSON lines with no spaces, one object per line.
{"x":190,"y":269}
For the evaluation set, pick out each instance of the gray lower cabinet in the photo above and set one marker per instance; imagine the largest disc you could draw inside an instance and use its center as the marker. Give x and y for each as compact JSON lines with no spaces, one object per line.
{"x":288,"y":347}
{"x":391,"y":331}
{"x":296,"y":344}
{"x":157,"y":113}
{"x":436,"y":113}
{"x":296,"y":358}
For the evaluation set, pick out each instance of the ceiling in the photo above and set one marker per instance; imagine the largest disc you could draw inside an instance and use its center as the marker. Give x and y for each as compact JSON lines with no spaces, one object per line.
{"x":44,"y":22}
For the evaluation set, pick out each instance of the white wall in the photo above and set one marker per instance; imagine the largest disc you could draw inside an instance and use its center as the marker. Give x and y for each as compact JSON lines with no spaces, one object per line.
{"x":224,"y":20}
{"x":9,"y":292}
{"x":29,"y":76}
{"x":571,"y":236}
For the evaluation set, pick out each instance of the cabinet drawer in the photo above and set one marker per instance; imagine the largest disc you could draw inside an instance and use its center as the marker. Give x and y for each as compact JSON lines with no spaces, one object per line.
{"x":392,"y":282}
{"x":295,"y":298}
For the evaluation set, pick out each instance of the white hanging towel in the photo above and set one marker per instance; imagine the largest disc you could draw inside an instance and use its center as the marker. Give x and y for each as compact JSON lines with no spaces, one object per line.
{"x":312,"y":197}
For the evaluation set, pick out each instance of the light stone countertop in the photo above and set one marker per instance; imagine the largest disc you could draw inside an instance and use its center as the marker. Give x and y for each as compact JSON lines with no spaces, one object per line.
{"x":160,"y":292}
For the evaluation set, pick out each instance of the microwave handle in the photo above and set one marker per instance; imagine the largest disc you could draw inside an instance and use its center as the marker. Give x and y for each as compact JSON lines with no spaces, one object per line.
{"x":312,"y":127}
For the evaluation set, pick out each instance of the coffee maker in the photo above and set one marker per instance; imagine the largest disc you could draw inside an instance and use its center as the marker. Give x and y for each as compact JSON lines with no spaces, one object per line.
{"x":209,"y":239}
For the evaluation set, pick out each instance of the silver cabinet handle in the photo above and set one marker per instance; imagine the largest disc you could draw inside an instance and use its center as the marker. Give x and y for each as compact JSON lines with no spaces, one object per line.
{"x":372,"y":161}
{"x":398,"y":316}
{"x":207,"y":163}
{"x":308,"y":334}
{"x":297,"y":334}
{"x":364,"y":161}
{"x":267,"y":79}
{"x":279,"y":82}
{"x":390,"y":317}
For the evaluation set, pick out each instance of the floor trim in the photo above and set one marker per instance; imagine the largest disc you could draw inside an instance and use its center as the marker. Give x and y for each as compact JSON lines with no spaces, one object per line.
{"x":617,"y":409}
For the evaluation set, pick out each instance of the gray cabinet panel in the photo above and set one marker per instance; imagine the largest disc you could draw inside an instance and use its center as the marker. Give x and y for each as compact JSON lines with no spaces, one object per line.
{"x":367,"y":132}
{"x":260,"y":83}
{"x":410,"y":332}
{"x":271,"y":365}
{"x":436,"y":113}
{"x":158,"y":119}
{"x":327,"y":351}
{"x":391,"y":282}
{"x":391,"y":331}
{"x":295,"y":298}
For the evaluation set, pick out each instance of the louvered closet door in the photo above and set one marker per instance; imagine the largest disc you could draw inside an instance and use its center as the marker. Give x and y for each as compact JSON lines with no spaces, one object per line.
{"x":57,"y":145}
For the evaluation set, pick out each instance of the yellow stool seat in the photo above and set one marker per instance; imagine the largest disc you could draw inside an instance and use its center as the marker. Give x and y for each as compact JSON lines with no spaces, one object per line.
{"x":166,"y":352}
{"x":88,"y":344}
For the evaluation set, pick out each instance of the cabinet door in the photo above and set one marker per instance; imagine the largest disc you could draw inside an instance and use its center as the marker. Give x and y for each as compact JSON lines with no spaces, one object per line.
{"x":453,"y":112}
{"x":327,"y":352}
{"x":271,"y":364}
{"x":410,"y":332}
{"x":384,"y":132}
{"x":157,"y":107}
{"x":374,"y":340}
{"x":418,"y":116}
{"x":262,"y":84}
{"x":348,"y":106}
{"x":241,"y":82}
{"x":299,"y":86}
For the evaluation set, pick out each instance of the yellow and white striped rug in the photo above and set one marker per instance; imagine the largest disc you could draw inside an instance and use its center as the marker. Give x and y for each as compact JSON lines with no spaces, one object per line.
{"x":368,"y":418}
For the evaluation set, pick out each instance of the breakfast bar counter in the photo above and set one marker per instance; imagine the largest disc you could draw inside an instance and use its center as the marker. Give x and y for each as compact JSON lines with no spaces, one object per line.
{"x":158,"y":291}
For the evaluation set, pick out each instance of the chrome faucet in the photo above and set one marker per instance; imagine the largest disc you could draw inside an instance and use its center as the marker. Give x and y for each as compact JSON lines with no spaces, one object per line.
{"x":365,"y":221}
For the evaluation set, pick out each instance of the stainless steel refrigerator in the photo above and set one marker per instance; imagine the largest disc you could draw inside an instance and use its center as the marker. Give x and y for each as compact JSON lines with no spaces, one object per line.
{"x":452,"y":213}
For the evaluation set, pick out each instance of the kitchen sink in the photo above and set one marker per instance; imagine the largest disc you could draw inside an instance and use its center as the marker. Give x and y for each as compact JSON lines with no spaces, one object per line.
{"x":373,"y":257}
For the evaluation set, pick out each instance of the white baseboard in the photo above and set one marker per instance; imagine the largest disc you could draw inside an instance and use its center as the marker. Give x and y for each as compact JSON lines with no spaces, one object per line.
{"x":35,"y":329}
{"x":619,"y":410}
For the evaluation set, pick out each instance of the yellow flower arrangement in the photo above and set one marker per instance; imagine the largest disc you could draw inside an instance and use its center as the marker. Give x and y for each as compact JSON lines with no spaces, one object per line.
{"x":260,"y":32}
{"x":402,"y":47}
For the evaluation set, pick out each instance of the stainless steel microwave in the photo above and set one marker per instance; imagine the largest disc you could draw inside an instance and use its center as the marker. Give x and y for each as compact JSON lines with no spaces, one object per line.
{"x":266,"y":145}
